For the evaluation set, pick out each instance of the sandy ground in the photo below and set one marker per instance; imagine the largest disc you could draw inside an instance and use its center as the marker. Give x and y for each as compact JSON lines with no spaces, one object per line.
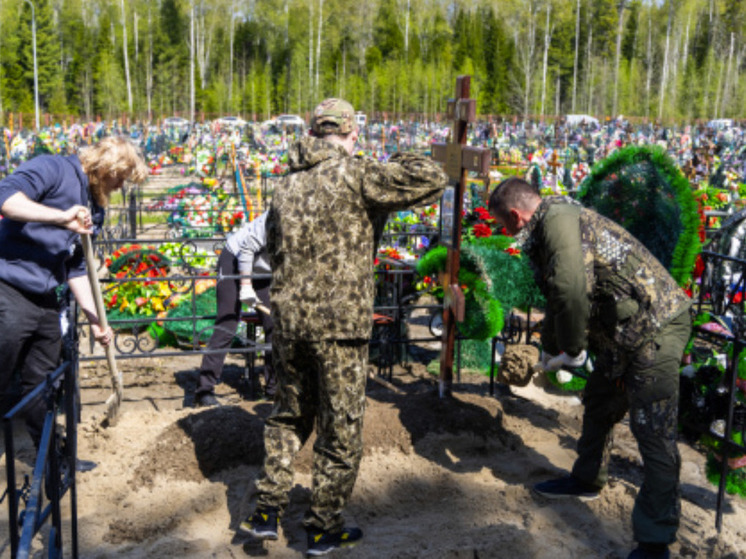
{"x":439,"y":479}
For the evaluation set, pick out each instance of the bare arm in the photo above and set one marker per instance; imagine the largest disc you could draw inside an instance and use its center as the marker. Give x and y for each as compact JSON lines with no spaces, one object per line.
{"x":19,"y":207}
{"x":81,"y":289}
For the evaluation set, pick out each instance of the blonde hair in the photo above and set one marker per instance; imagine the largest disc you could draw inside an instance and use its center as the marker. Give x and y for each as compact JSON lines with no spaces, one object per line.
{"x":114,"y":157}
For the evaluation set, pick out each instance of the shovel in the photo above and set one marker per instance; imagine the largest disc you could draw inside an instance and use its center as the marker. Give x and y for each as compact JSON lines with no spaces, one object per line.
{"x":114,"y":400}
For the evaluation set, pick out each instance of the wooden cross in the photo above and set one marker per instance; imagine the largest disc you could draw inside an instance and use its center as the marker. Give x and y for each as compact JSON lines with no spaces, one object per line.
{"x":458,"y":158}
{"x":554,"y":162}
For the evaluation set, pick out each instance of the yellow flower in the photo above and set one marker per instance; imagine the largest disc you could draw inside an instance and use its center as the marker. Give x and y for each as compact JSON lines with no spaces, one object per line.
{"x":157,"y":303}
{"x":164,"y":290}
{"x":124,"y":305}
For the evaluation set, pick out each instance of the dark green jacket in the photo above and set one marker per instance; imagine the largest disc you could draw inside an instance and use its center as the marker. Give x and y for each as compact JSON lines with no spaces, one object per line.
{"x":605,"y":291}
{"x":325,"y":219}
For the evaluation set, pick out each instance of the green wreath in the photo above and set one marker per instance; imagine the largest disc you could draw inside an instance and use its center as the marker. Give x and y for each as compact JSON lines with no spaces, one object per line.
{"x":642,"y":189}
{"x":496,"y":280}
{"x":205,"y":305}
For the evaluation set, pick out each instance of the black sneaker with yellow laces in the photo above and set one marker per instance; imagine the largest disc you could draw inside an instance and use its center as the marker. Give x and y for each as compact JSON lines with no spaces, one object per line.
{"x":321,"y":543}
{"x":262,"y":524}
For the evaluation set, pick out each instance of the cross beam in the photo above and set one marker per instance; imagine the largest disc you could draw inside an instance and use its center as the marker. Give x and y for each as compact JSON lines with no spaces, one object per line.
{"x":458,"y":158}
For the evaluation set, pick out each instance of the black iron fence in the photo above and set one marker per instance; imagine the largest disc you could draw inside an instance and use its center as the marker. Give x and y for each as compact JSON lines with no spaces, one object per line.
{"x":38,"y":499}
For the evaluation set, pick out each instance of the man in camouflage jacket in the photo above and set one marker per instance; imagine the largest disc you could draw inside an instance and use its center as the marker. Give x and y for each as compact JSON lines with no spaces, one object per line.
{"x":606,"y":293}
{"x":326,"y":217}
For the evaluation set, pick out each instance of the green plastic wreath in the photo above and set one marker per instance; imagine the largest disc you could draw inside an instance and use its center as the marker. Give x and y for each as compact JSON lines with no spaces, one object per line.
{"x":642,"y":189}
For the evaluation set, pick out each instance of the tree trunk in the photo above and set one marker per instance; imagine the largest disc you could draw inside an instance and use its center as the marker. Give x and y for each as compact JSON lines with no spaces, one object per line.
{"x":664,"y":73}
{"x":675,"y":58}
{"x":149,"y":69}
{"x":547,"y":39}
{"x":619,"y":28}
{"x":575,"y":63}
{"x":406,"y":31}
{"x":557,"y":108}
{"x":192,"y":85}
{"x":528,"y":59}
{"x":310,"y":49}
{"x":589,"y":71}
{"x":318,"y":42}
{"x":126,"y":58}
{"x":728,"y":75}
{"x":710,"y":57}
{"x":230,"y":59}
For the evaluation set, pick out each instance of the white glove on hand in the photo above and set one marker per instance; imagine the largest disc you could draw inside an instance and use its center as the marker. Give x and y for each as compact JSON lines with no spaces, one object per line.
{"x":565,"y":361}
{"x":247,"y":295}
{"x":545,"y":358}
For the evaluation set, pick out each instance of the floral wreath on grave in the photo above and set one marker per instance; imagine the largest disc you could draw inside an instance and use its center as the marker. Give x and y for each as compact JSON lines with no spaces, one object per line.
{"x":483,"y":260}
{"x":147,"y":294}
{"x":642,"y":189}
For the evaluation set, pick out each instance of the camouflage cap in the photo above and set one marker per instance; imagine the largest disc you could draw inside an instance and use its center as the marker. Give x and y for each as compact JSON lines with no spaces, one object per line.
{"x":333,"y":116}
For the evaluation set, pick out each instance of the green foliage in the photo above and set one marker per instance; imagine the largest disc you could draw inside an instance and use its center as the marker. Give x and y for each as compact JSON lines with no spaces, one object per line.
{"x":735,"y":483}
{"x":204,"y":305}
{"x":369,"y":53}
{"x":495,"y":280}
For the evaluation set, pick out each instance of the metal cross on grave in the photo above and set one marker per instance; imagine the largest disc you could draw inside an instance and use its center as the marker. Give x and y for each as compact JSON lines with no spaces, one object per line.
{"x":458,"y":159}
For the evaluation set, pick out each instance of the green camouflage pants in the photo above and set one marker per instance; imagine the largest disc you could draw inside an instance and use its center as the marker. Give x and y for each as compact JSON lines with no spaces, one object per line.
{"x":322,"y":382}
{"x":650,"y":391}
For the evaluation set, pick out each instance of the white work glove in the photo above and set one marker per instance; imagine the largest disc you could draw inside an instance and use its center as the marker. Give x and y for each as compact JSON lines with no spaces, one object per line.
{"x":564,"y":361}
{"x":545,"y":358}
{"x":247,"y":295}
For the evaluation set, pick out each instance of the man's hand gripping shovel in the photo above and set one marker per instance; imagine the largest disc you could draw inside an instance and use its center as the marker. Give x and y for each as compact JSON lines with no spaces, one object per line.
{"x":114,"y":401}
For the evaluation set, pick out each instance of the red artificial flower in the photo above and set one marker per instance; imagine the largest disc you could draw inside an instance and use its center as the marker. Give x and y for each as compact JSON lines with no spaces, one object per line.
{"x":513,"y":251}
{"x":737,"y":298}
{"x":689,"y":293}
{"x":482,"y":230}
{"x":699,"y":267}
{"x":140,"y":301}
{"x":483,"y":214}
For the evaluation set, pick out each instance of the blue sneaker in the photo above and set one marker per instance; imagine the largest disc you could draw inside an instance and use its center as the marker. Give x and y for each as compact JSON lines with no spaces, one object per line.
{"x":650,"y":551}
{"x":321,"y":543}
{"x":262,"y":524}
{"x":567,"y":487}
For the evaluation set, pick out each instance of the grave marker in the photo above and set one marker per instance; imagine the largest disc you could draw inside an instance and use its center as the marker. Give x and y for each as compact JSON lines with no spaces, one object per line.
{"x":458,"y":158}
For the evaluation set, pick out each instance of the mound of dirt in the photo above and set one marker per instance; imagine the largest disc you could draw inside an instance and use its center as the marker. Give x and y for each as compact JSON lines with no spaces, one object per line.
{"x":202,"y":444}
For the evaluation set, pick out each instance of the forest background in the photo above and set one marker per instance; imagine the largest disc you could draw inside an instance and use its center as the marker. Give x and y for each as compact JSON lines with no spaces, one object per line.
{"x":671,"y":60}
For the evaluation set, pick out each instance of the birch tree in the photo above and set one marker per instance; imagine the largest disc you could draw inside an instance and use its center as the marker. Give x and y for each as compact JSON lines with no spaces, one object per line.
{"x":126,"y":58}
{"x":548,"y":29}
{"x":192,"y":85}
{"x":621,"y":4}
{"x":577,"y":50}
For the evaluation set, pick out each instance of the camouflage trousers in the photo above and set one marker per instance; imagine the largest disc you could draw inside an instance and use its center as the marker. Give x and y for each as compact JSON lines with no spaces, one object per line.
{"x":321,"y":382}
{"x":649,"y":390}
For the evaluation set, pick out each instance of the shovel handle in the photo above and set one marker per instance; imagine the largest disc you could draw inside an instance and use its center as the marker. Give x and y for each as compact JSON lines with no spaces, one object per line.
{"x":98,"y":299}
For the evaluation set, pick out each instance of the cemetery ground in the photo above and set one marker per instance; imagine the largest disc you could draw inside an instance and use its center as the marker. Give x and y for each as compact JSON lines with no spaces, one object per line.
{"x":438,"y":479}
